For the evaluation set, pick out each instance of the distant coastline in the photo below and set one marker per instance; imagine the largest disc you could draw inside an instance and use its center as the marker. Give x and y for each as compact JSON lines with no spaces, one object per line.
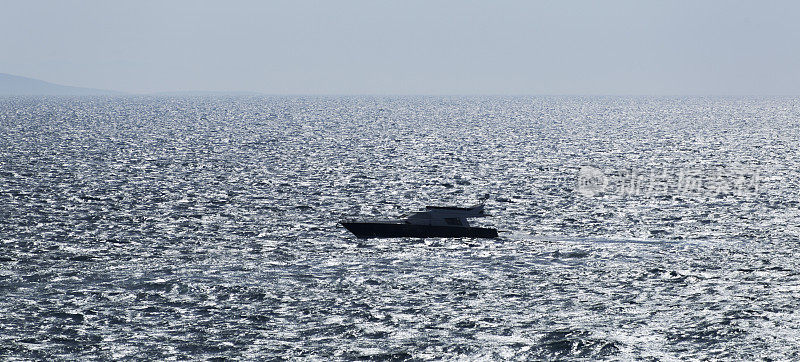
{"x":14,"y":85}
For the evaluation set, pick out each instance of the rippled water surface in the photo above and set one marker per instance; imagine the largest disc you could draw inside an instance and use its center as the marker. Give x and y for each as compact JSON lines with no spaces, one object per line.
{"x":158,"y":228}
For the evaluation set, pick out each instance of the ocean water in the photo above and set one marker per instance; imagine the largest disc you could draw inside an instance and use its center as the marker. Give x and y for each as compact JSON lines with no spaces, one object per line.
{"x":206,"y":227}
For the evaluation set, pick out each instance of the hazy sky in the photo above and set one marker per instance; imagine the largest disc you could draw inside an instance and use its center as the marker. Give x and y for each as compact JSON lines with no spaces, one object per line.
{"x":668,"y":47}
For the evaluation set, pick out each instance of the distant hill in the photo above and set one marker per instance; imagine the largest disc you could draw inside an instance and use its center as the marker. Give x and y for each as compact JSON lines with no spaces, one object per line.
{"x":12,"y":85}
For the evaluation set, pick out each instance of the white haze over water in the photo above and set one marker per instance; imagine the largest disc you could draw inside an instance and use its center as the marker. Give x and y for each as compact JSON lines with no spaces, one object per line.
{"x":206,"y":227}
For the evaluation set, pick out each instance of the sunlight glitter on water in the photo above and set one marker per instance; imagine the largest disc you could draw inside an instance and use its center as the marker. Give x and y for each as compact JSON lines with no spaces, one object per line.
{"x":160,"y":228}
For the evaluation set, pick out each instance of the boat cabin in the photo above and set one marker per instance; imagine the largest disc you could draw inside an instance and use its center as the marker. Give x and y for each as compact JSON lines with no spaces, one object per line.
{"x":444,"y":216}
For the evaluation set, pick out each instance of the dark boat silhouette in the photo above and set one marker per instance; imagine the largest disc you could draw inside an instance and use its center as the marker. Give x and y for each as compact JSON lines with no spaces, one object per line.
{"x":434,"y":222}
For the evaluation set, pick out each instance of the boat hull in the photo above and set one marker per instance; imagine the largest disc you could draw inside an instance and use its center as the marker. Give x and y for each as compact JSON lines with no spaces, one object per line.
{"x":367,"y":230}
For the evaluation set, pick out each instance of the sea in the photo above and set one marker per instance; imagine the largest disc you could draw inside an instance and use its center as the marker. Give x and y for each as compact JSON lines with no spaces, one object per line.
{"x":206,"y":227}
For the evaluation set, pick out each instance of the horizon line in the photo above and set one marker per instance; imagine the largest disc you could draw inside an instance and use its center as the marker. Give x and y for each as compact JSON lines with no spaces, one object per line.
{"x":198,"y":92}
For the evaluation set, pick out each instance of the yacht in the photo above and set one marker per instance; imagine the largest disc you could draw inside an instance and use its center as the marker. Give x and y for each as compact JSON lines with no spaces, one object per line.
{"x":434,"y":222}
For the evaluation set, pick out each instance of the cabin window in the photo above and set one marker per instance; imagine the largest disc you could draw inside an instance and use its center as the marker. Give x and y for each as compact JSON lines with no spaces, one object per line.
{"x":452,"y":221}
